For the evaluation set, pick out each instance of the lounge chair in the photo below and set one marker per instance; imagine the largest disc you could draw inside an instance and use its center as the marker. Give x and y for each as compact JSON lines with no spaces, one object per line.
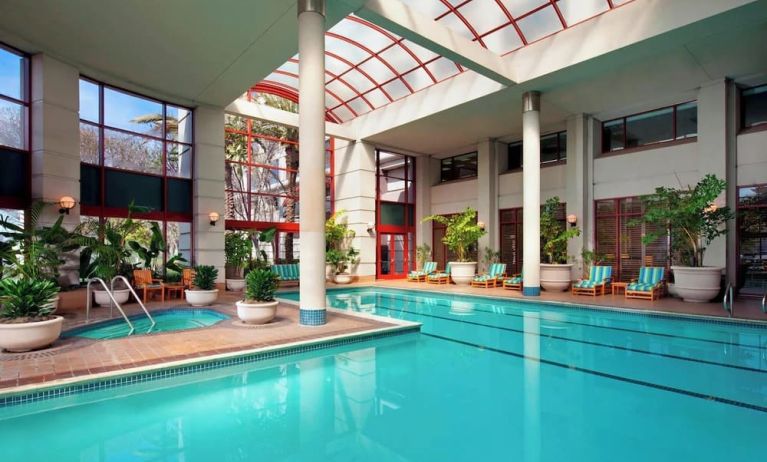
{"x":287,"y":272}
{"x":420,"y":275}
{"x":495,"y":274}
{"x":439,"y":277}
{"x":597,"y":283}
{"x":513,"y":283}
{"x":649,"y":284}
{"x":142,"y":280}
{"x":187,"y":278}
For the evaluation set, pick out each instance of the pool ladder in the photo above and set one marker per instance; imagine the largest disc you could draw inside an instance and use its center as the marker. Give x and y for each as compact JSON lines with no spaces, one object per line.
{"x":764,"y":302}
{"x":727,"y":301}
{"x":113,"y":303}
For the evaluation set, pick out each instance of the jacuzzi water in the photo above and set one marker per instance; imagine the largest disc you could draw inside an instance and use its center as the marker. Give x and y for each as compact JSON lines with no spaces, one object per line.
{"x":165,"y":321}
{"x":486,"y":380}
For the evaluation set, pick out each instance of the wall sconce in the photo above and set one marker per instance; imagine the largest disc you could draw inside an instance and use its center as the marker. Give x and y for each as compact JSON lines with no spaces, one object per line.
{"x":371,"y":227}
{"x":712,"y":208}
{"x":213,"y":218}
{"x":481,"y":225}
{"x":572,"y":219}
{"x":66,"y":203}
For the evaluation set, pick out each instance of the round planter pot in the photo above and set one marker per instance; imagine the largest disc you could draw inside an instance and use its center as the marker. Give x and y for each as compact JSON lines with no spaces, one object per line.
{"x":256,"y":312}
{"x":556,"y":277}
{"x":672,"y":290}
{"x":697,"y":285}
{"x":343,"y":278}
{"x":462,"y":272}
{"x":102,"y":298}
{"x":30,"y":335}
{"x":330,"y":273}
{"x":201,"y":297}
{"x":235,"y":285}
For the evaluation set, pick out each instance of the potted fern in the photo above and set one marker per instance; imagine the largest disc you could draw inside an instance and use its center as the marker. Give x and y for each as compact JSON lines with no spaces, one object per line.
{"x":461,"y":234}
{"x":693,"y":222}
{"x":237,"y":249}
{"x":556,"y":273}
{"x":205,"y":292}
{"x":26,"y":319}
{"x":258,"y":305}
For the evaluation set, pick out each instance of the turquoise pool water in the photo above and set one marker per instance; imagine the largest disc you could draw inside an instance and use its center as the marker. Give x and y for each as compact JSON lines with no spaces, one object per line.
{"x":486,"y":380}
{"x":166,"y":321}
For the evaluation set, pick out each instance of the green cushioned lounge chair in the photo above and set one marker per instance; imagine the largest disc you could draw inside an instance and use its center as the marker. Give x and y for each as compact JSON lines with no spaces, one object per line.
{"x":495,"y":274}
{"x":420,"y":275}
{"x":439,"y":277}
{"x":513,"y":283}
{"x":649,"y":284}
{"x":597,"y":283}
{"x":287,"y":272}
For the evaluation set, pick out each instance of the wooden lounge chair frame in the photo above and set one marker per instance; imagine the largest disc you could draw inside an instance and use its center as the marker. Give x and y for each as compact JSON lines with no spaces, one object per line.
{"x":439,"y":277}
{"x":653,"y":294}
{"x":508,"y":285}
{"x":496,"y":273}
{"x":420,"y":276}
{"x":598,"y":289}
{"x":143,"y":280}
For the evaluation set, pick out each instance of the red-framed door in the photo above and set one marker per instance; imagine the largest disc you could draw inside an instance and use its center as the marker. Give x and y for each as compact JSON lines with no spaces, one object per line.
{"x":394,"y":255}
{"x":395,"y":215}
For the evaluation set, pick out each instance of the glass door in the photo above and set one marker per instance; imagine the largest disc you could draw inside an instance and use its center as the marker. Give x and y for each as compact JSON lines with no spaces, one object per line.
{"x":752,"y":240}
{"x":395,"y":255}
{"x":395,"y":215}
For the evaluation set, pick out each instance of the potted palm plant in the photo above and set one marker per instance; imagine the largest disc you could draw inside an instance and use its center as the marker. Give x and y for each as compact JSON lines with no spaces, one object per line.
{"x":237,"y":249}
{"x":691,"y":218}
{"x":556,"y":273}
{"x":258,"y":305}
{"x":339,"y":254}
{"x":26,"y":320}
{"x":204,"y":291}
{"x":461,"y":233}
{"x":422,"y":255}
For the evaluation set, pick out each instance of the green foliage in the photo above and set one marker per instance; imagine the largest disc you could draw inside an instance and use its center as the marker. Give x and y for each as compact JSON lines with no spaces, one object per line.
{"x":25,"y":297}
{"x":153,"y":249}
{"x":491,"y":256}
{"x":175,"y":264}
{"x":338,"y":250}
{"x":689,"y":216}
{"x":462,"y":231}
{"x":106,"y":253}
{"x":422,"y":254}
{"x":237,"y":248}
{"x":590,"y":257}
{"x":205,"y":277}
{"x":260,"y":285}
{"x":172,"y":276}
{"x":554,"y":235}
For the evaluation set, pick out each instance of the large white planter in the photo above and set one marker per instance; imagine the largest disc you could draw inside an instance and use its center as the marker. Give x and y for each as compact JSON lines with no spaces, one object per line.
{"x":462,"y":272}
{"x":102,"y":297}
{"x":556,"y":277}
{"x":235,"y":285}
{"x":30,"y":335}
{"x":343,"y":278}
{"x":697,"y":285}
{"x":330,"y":272}
{"x":256,"y":312}
{"x":201,"y":297}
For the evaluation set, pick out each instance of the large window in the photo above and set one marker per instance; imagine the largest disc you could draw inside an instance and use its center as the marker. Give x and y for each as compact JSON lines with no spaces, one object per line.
{"x":752,"y":239}
{"x":673,"y":123}
{"x":753,"y":106}
{"x":510,"y":225}
{"x":619,"y":238}
{"x":459,"y":167}
{"x":395,"y":206}
{"x":14,"y":129}
{"x":553,"y":150}
{"x":136,"y":151}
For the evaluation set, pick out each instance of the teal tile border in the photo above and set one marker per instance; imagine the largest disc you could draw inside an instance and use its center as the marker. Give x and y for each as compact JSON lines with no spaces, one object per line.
{"x":149,"y":376}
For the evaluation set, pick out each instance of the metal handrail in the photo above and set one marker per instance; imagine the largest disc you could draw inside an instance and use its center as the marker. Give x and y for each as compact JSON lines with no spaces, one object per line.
{"x":764,"y":302}
{"x":727,"y":301}
{"x":111,"y":297}
{"x":135,"y":295}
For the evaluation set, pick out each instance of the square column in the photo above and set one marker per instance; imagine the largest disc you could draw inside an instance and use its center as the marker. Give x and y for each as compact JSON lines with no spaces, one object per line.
{"x":424,"y":179}
{"x":209,"y":187}
{"x":531,"y":194}
{"x":487,"y":193}
{"x":579,"y":157}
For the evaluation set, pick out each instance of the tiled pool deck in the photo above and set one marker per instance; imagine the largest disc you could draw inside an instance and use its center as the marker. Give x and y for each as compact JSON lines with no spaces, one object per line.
{"x":79,"y":358}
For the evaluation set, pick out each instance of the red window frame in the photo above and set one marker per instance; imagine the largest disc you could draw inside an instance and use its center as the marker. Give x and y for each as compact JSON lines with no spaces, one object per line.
{"x":16,"y":202}
{"x":408,"y":229}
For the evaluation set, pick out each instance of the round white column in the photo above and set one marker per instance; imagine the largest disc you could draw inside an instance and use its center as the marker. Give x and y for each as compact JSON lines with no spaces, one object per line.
{"x":311,"y":170}
{"x":531,"y":193}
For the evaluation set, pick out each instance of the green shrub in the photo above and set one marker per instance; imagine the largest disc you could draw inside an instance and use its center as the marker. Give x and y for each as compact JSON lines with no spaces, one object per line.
{"x":27,"y":297}
{"x":205,"y":277}
{"x":554,"y":235}
{"x":462,"y":232}
{"x":237,"y":248}
{"x":260,"y":285}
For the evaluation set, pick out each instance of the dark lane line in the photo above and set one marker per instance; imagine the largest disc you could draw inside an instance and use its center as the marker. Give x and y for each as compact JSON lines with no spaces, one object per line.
{"x":608,"y":376}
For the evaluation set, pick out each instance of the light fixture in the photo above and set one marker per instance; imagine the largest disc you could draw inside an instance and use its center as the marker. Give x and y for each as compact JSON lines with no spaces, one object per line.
{"x":213,"y":218}
{"x":481,"y":225}
{"x":371,"y":226}
{"x":712,"y":208}
{"x":572,"y":219}
{"x":66,"y":203}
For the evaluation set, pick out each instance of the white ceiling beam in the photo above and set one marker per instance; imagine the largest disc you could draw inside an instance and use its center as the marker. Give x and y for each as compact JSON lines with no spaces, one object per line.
{"x":402,"y":20}
{"x":243,"y":108}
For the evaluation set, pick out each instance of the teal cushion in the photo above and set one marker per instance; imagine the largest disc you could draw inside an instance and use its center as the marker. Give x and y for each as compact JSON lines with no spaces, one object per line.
{"x":588,"y":284}
{"x":640,"y":287}
{"x":515,"y":280}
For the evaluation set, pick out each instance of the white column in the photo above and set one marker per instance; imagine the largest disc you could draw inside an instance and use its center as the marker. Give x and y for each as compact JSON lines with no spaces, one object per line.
{"x":577,"y":174}
{"x":209,"y":187}
{"x":311,"y":140}
{"x":531,"y":193}
{"x":424,"y":179}
{"x":55,"y":146}
{"x":487,"y":194}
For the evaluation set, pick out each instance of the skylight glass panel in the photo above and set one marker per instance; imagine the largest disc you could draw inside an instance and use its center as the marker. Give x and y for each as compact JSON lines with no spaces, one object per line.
{"x":377,"y":98}
{"x":342,"y":90}
{"x":361,"y":33}
{"x":483,"y":15}
{"x":342,"y":113}
{"x":357,"y":80}
{"x":503,"y":40}
{"x":348,"y":51}
{"x":359,"y":106}
{"x":454,"y":22}
{"x":288,"y":80}
{"x":575,"y":11}
{"x":335,"y":65}
{"x":378,"y":70}
{"x":399,"y":59}
{"x":418,"y":79}
{"x":290,"y":67}
{"x":396,"y":89}
{"x":330,"y":100}
{"x":518,"y":8}
{"x":540,"y":24}
{"x":431,"y":8}
{"x":442,"y":68}
{"x":424,"y":54}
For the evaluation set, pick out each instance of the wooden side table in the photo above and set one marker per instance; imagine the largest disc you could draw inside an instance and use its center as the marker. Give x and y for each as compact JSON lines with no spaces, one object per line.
{"x":618,"y":287}
{"x":174,"y":290}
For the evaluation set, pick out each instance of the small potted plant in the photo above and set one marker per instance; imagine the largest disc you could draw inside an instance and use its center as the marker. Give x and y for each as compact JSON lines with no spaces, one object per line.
{"x":258,"y":305}
{"x":204,"y":292}
{"x":342,"y":260}
{"x":422,"y":255}
{"x":461,"y":234}
{"x":692,"y":219}
{"x":237,"y":249}
{"x":556,"y":273}
{"x":26,"y":322}
{"x":339,"y":254}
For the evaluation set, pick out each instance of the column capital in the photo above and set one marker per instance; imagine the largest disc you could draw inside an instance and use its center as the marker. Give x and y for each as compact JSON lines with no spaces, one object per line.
{"x":531,"y":101}
{"x":314,"y":6}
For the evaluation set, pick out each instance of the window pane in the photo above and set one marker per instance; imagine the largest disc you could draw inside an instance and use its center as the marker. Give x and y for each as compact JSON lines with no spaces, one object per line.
{"x":89,"y":101}
{"x":515,"y":156}
{"x":686,"y":120}
{"x":273,"y":181}
{"x":90,"y":185}
{"x":132,"y":152}
{"x":236,"y":147}
{"x":562,"y":145}
{"x":447,"y":172}
{"x":89,"y":143}
{"x":650,"y":127}
{"x":13,"y":173}
{"x":179,"y":160}
{"x":12,"y":75}
{"x":236,"y":206}
{"x":12,"y":125}
{"x":754,"y":103}
{"x":133,"y":113}
{"x":124,"y":188}
{"x":465,"y":166}
{"x":274,"y":153}
{"x":179,"y":196}
{"x":549,"y":148}
{"x":392,"y":214}
{"x":179,"y":126}
{"x":612,"y":135}
{"x":179,"y":239}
